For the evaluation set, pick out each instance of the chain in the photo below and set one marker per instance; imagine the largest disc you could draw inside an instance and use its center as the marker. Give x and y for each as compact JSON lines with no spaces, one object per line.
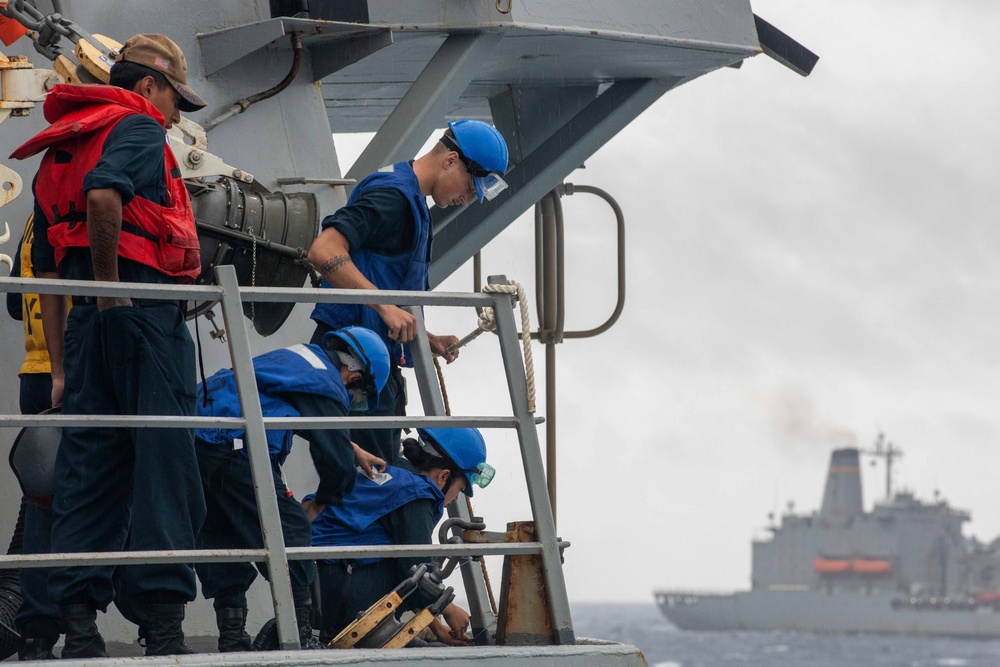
{"x":314,"y":276}
{"x":253,"y":272}
{"x":49,"y":28}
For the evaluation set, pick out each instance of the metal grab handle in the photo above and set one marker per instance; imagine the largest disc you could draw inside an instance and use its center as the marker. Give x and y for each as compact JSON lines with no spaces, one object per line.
{"x":620,"y":225}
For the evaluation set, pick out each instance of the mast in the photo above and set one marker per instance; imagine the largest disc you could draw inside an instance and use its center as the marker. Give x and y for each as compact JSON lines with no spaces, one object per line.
{"x":885,"y":449}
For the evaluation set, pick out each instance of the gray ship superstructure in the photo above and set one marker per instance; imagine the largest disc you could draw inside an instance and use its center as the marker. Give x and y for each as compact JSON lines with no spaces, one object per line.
{"x":903,"y":568}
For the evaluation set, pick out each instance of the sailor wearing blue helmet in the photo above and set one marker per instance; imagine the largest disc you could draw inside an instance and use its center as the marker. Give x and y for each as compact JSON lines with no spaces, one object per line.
{"x":350,"y":366}
{"x":401,"y":506}
{"x":382,"y":239}
{"x":483,"y":152}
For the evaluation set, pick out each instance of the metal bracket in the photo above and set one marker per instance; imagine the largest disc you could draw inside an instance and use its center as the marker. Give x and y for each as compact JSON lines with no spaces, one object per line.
{"x":194,"y":160}
{"x":222,"y":48}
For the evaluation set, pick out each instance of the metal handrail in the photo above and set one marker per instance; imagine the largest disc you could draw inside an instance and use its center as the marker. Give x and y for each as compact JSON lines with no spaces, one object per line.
{"x":11,"y":562}
{"x":274,"y":553}
{"x":270,"y":423}
{"x":214,"y":293}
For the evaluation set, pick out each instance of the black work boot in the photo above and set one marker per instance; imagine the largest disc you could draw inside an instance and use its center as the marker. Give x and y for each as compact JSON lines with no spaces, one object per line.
{"x":267,"y":638}
{"x":307,"y":640}
{"x":36,"y":648}
{"x":82,"y":638}
{"x":38,"y":636}
{"x":164,"y":635}
{"x":232,"y":623}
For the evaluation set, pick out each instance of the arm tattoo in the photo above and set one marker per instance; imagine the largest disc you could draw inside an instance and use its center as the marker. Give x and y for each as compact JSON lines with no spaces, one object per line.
{"x":103,"y":232}
{"x":330,"y":267}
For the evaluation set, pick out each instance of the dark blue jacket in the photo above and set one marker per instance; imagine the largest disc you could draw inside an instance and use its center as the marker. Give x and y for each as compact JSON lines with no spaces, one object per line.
{"x":355,"y":522}
{"x":406,"y":271}
{"x":299,"y":369}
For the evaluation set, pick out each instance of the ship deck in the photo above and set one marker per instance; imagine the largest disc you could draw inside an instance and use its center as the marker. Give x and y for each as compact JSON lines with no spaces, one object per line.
{"x":585,"y":652}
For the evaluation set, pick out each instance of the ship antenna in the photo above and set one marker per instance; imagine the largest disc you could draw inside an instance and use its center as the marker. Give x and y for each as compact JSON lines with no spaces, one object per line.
{"x":885,"y":450}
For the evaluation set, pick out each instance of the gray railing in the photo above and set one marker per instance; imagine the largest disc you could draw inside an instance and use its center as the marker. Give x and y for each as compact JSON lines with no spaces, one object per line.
{"x":231,"y":296}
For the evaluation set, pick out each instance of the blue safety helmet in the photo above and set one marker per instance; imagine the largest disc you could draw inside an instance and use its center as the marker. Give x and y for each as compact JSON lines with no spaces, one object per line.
{"x":369,"y":349}
{"x":467,"y":449}
{"x":483,"y":151}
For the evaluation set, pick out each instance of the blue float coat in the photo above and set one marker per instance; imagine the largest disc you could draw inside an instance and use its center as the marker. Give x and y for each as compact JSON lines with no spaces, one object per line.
{"x":355,"y":522}
{"x":299,"y":369}
{"x":406,"y":271}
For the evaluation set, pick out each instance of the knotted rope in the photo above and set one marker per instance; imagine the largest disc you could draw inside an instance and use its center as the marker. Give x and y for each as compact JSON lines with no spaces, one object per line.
{"x":487,"y":322}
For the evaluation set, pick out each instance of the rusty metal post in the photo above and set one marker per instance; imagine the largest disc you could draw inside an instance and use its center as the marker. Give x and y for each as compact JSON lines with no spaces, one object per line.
{"x":525,"y":618}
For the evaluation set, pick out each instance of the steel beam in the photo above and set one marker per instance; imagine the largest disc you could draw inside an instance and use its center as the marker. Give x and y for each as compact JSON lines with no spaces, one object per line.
{"x":515,"y":113}
{"x":459,"y":234}
{"x":784,"y":49}
{"x":333,"y":44}
{"x":433,"y":94}
{"x":328,"y":58}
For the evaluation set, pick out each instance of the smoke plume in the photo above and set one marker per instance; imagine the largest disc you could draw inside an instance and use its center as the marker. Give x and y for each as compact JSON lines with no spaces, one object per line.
{"x":793,"y":416}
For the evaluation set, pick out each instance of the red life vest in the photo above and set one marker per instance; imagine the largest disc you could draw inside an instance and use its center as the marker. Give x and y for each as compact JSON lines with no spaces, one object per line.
{"x":82,"y":116}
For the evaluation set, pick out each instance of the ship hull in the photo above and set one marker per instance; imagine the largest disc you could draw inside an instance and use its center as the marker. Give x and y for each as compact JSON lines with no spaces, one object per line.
{"x":842,"y":612}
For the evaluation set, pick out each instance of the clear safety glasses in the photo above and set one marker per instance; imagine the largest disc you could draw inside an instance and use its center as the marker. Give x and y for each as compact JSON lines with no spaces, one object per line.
{"x":483,"y":475}
{"x":489,"y":186}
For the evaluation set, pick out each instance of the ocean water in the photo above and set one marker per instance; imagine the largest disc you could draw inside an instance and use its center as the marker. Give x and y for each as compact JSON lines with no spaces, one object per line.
{"x":664,"y":646}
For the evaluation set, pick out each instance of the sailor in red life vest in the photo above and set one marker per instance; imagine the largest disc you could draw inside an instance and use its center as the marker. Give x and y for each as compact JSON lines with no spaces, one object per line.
{"x":110,"y":205}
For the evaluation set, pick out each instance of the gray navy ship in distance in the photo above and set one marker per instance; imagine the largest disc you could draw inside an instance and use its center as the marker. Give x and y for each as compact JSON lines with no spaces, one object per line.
{"x":903,"y":568}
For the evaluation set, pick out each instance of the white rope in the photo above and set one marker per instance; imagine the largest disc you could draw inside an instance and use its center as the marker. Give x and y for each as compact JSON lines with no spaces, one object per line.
{"x":487,"y":322}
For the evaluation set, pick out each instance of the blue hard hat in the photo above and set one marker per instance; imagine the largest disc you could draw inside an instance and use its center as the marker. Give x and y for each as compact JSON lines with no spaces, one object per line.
{"x":467,"y":449}
{"x":368,"y":347}
{"x":484,"y":152}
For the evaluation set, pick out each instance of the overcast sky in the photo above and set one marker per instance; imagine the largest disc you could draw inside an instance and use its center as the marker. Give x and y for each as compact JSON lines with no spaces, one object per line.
{"x":810,"y":261}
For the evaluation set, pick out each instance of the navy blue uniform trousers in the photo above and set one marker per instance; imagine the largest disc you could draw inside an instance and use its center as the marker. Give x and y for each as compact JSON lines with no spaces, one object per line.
{"x":382,"y":442}
{"x":233,"y":522}
{"x":136,"y":360}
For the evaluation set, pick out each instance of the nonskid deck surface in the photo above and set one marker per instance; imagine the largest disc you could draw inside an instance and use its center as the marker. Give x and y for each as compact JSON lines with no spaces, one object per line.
{"x":606,"y":654}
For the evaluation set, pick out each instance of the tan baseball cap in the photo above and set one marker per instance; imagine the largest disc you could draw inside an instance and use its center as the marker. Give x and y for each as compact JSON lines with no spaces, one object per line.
{"x":160,"y":53}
